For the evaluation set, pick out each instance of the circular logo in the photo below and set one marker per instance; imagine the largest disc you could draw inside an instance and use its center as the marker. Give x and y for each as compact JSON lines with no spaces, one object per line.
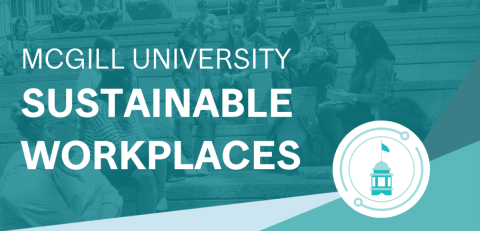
{"x":381,"y":169}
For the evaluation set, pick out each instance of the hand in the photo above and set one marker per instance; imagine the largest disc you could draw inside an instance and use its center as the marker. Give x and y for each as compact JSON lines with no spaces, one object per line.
{"x":299,"y":59}
{"x":108,"y":211}
{"x":339,"y":94}
{"x":258,"y":18}
{"x":233,"y":77}
{"x":318,"y":53}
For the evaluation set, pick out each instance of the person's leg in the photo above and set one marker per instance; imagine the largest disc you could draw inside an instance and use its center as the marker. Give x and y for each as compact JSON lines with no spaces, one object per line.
{"x":208,"y":127}
{"x":57,"y":19}
{"x":329,"y":120}
{"x":94,"y":20}
{"x":184,"y":127}
{"x":284,"y":78}
{"x":338,"y":119}
{"x":223,"y":83}
{"x":424,"y":5}
{"x":321,"y":76}
{"x":11,"y":65}
{"x":258,"y":38}
{"x":208,"y":134}
{"x":78,"y":23}
{"x":403,"y":5}
{"x":146,"y":191}
{"x":160,"y":174}
{"x":243,"y":84}
{"x":108,"y":21}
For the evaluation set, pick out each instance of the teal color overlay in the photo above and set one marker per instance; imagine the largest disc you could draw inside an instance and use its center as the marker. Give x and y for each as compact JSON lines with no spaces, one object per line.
{"x":442,"y":207}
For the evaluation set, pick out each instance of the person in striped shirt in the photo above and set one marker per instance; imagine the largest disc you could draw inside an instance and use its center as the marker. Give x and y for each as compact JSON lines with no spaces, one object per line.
{"x":150,"y":183}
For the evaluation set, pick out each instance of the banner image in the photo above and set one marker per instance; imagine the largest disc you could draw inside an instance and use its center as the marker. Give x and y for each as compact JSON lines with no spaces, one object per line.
{"x":239,"y":115}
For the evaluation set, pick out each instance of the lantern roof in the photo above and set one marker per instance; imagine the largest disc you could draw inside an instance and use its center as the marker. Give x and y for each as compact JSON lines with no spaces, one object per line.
{"x":381,"y":166}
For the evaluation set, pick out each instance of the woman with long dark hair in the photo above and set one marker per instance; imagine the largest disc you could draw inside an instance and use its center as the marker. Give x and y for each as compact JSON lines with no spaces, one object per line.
{"x":232,"y":77}
{"x":371,"y":81}
{"x":42,"y":196}
{"x":90,"y":78}
{"x":150,"y":183}
{"x":16,"y":42}
{"x":256,"y":24}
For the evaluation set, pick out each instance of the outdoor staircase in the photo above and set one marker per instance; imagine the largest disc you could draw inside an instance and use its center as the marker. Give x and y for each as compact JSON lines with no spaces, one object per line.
{"x":435,"y":50}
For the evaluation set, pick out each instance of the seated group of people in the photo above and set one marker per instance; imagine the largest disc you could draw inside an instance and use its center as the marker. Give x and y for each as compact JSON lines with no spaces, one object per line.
{"x":30,"y":198}
{"x":68,"y":15}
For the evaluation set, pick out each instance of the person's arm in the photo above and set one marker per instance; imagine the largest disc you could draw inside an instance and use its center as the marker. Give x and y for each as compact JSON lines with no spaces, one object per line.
{"x":251,"y":25}
{"x":214,"y":25}
{"x":224,"y":68}
{"x":56,"y":7}
{"x":10,"y":45}
{"x":384,"y":73}
{"x":283,"y":46}
{"x":213,"y":82}
{"x":112,"y":202}
{"x":247,"y":71}
{"x":96,"y":9}
{"x":79,"y":7}
{"x":34,"y":198}
{"x":180,"y":85}
{"x":33,"y":45}
{"x":104,"y":127}
{"x":84,"y":82}
{"x":115,"y":9}
{"x":331,"y":48}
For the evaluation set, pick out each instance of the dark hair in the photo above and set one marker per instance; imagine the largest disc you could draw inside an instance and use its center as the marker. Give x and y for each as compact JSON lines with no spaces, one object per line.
{"x":32,"y":128}
{"x":370,"y":43}
{"x":18,"y":21}
{"x":203,"y":3}
{"x":370,"y":46}
{"x":104,"y":42}
{"x":187,"y":43}
{"x":406,"y":112}
{"x":118,"y":79}
{"x":229,"y":43}
{"x":252,"y":13}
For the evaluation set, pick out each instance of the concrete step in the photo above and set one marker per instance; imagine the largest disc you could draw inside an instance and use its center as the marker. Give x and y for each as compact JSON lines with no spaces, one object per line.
{"x":12,"y":88}
{"x":419,"y":46}
{"x":433,"y":96}
{"x":142,"y":38}
{"x":321,"y":13}
{"x":407,"y":67}
{"x":343,"y":23}
{"x":423,"y":91}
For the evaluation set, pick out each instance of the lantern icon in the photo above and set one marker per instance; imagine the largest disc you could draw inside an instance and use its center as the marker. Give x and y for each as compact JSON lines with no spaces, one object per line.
{"x":381,"y":176}
{"x":381,"y":179}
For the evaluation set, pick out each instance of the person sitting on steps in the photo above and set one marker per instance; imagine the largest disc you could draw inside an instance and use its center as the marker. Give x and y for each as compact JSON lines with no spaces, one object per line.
{"x":403,"y":4}
{"x":43,"y":197}
{"x":195,"y":79}
{"x":150,"y":184}
{"x":312,"y":58}
{"x":16,"y":42}
{"x":67,"y":14}
{"x":371,"y":81}
{"x":256,"y":25}
{"x":232,"y":77}
{"x":206,"y":24}
{"x":104,"y":14}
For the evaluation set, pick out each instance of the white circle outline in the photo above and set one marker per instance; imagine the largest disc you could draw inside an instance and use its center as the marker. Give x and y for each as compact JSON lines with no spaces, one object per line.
{"x":352,"y":198}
